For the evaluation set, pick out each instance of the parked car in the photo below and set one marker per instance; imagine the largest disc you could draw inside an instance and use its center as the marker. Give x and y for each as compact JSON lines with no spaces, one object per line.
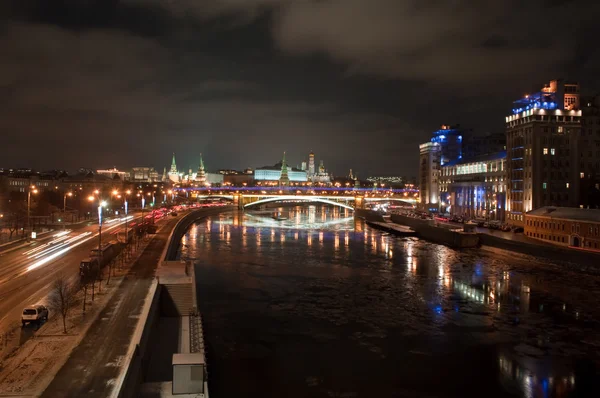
{"x":34,"y":313}
{"x":517,"y":230}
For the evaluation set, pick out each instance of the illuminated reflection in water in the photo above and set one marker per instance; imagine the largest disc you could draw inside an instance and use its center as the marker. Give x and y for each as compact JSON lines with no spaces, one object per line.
{"x":307,"y":303}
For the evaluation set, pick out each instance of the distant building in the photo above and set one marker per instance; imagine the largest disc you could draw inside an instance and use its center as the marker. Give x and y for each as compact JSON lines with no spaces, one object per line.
{"x":564,"y":226}
{"x":114,"y":173}
{"x":144,"y":174}
{"x":86,"y":180}
{"x":273,"y":173}
{"x":173,"y":175}
{"x":200,"y":177}
{"x":386,"y":180}
{"x":311,"y":164}
{"x":238,"y":180}
{"x":429,"y":173}
{"x":19,"y":180}
{"x":542,"y":137}
{"x":475,"y":187}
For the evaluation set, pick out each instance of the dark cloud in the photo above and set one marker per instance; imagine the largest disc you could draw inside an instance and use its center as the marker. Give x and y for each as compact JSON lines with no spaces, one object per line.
{"x":100,"y":83}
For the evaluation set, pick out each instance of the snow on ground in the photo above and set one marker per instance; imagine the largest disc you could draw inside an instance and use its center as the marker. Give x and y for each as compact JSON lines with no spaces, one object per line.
{"x":31,"y":366}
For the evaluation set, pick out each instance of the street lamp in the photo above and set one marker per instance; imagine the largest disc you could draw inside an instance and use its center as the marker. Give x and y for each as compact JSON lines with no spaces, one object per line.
{"x":31,"y":190}
{"x":65,"y":200}
{"x":125,"y":194}
{"x":100,"y":205}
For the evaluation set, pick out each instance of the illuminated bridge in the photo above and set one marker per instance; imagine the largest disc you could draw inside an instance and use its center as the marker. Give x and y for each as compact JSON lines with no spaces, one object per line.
{"x":248,"y":197}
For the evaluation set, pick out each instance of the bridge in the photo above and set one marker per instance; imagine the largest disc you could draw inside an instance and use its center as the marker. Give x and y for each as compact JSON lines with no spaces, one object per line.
{"x":248,"y":197}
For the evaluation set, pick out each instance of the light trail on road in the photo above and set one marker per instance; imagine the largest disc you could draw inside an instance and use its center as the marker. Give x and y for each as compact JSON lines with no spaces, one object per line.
{"x":81,"y":238}
{"x":61,"y":236}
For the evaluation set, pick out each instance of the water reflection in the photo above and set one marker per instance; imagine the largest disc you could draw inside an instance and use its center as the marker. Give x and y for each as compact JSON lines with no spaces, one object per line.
{"x":388,"y":293}
{"x":534,"y":383}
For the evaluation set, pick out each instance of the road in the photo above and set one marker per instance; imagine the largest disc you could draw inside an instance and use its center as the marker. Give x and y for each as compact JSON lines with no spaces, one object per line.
{"x":26,"y":274}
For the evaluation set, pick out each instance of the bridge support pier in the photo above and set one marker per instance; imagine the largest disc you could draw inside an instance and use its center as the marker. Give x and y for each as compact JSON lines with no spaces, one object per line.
{"x":359,"y":202}
{"x":238,"y":200}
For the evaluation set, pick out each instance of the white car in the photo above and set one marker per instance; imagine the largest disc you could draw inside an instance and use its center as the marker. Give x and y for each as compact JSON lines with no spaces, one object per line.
{"x":34,"y":313}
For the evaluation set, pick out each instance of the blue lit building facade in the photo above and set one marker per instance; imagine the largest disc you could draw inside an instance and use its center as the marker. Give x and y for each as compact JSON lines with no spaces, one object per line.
{"x":542,"y":144}
{"x":450,"y":139}
{"x":475,"y":188}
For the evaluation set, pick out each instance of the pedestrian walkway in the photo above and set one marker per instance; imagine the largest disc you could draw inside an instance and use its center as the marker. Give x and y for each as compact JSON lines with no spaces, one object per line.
{"x":95,"y":364}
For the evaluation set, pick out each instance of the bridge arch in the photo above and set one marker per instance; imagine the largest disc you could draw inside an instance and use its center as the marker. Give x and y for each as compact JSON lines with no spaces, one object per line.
{"x":407,"y":201}
{"x":309,"y":199}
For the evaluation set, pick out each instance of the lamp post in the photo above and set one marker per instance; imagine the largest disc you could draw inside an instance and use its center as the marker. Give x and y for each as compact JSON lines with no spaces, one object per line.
{"x":100,"y":204}
{"x":143,"y":204}
{"x":127,"y":193}
{"x":31,"y":190}
{"x":65,"y":200}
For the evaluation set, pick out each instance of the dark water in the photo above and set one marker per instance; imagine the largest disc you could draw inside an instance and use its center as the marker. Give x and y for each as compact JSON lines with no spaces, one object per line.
{"x":321,"y":305}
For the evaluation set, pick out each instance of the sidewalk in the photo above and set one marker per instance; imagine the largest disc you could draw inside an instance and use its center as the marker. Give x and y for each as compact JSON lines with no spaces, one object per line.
{"x":95,"y":364}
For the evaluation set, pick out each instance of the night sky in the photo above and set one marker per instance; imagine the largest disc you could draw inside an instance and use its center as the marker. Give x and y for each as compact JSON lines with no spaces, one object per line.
{"x":102,"y":83}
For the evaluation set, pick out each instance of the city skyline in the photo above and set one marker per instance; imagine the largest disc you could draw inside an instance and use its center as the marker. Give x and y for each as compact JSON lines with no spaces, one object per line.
{"x":242,"y":82}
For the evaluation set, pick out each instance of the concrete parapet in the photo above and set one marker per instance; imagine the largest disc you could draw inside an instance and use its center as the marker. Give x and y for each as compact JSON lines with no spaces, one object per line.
{"x":447,"y":235}
{"x":368,"y":215}
{"x":541,"y":250}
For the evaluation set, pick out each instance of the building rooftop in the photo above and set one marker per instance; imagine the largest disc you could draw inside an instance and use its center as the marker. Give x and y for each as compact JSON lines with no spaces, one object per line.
{"x":476,"y":159}
{"x":277,"y":167}
{"x":570,"y":213}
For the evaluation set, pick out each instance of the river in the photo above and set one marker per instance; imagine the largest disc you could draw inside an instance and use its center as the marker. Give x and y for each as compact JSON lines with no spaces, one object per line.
{"x":321,"y":305}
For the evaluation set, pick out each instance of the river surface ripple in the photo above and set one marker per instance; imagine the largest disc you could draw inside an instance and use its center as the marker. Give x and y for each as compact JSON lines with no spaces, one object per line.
{"x":321,"y":305}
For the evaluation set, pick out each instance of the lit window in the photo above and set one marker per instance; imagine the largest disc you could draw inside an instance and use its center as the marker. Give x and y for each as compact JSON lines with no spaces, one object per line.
{"x":552,"y":151}
{"x":544,"y":185}
{"x":581,"y":174}
{"x":545,"y":151}
{"x":567,"y":185}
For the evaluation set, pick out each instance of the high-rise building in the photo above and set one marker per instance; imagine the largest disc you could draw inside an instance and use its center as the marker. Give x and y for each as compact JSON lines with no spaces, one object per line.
{"x":589,"y":153}
{"x":303,"y":166}
{"x":311,"y":164}
{"x":542,"y":137}
{"x":450,"y":139}
{"x":429,"y":173}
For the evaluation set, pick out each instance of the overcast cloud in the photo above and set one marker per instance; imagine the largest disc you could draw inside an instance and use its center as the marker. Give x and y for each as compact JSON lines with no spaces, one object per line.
{"x":98,"y":83}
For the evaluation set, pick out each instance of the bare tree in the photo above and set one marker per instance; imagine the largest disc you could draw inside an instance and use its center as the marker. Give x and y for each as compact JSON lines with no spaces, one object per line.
{"x":63,"y":297}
